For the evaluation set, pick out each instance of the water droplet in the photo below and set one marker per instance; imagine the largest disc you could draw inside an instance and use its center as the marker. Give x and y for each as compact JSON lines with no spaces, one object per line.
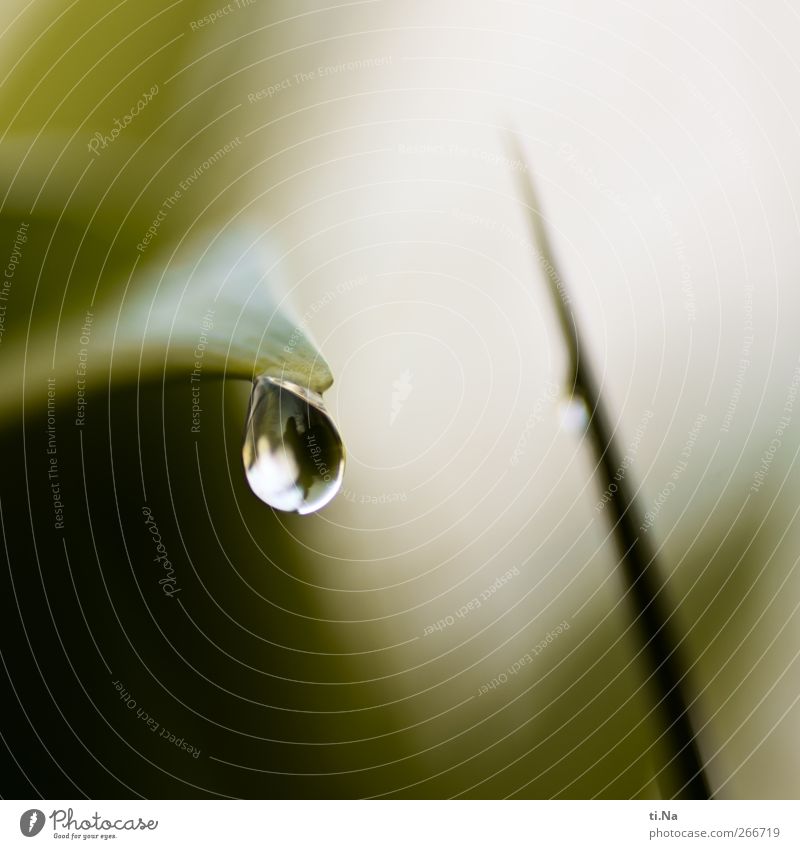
{"x":293,"y":454}
{"x":574,"y":414}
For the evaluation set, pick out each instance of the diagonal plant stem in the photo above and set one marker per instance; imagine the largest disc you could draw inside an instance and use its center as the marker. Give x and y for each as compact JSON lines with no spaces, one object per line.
{"x":637,"y":559}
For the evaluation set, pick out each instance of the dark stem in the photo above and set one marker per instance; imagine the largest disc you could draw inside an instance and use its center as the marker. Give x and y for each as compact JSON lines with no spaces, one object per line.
{"x":641,"y":573}
{"x":638,"y":561}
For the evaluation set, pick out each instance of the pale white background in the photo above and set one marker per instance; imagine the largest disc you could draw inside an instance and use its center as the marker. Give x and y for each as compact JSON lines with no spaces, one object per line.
{"x":664,"y":143}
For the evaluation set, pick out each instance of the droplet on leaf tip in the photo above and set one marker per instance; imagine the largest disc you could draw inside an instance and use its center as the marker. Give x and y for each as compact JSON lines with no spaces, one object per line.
{"x":293,"y":454}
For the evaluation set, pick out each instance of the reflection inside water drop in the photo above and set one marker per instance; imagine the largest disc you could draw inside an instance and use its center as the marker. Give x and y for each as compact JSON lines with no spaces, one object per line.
{"x":574,"y":414}
{"x":293,"y":454}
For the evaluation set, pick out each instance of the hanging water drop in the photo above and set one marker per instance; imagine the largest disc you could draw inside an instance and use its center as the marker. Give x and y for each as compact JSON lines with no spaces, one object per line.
{"x":574,"y":414}
{"x":293,"y":454}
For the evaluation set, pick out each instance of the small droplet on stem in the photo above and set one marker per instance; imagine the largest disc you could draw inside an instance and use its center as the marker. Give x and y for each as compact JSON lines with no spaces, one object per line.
{"x":293,"y":454}
{"x":573,"y":414}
